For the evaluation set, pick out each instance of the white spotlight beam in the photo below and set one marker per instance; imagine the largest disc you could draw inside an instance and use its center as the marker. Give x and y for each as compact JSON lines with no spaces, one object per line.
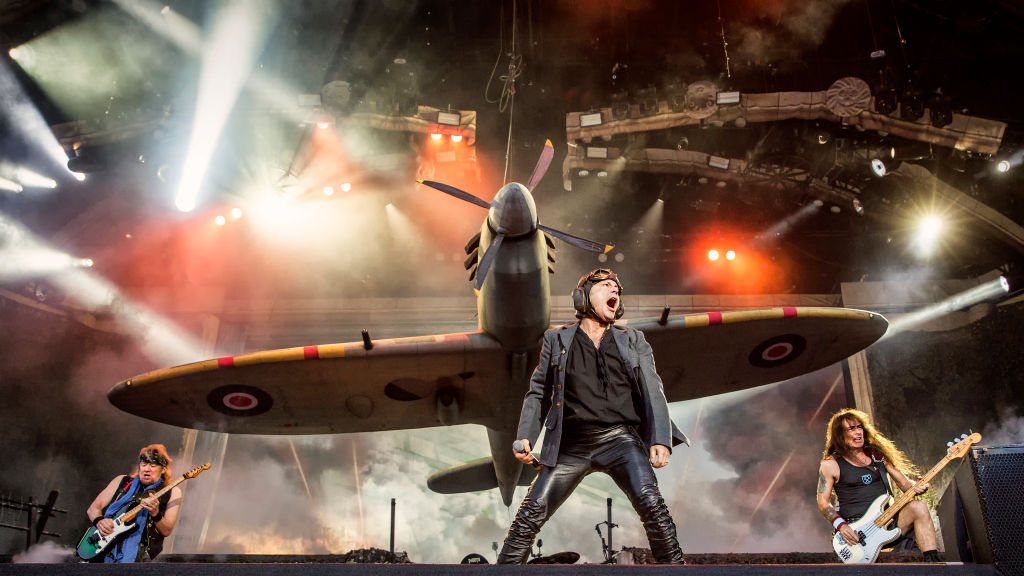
{"x":25,"y":177}
{"x":161,"y":339}
{"x":783,"y":226}
{"x":227,"y":59}
{"x":979,"y":293}
{"x":10,"y":186}
{"x":27,"y":121}
{"x":181,"y":32}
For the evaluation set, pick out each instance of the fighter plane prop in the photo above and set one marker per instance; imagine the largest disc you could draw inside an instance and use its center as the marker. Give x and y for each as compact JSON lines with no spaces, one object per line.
{"x":480,"y":377}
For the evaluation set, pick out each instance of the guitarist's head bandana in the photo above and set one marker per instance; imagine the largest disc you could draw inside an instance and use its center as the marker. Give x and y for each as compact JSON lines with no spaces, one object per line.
{"x":156,"y":454}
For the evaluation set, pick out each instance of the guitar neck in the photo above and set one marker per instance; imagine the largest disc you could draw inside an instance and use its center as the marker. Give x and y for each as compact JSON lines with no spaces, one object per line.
{"x":131,"y":514}
{"x":911,"y":493}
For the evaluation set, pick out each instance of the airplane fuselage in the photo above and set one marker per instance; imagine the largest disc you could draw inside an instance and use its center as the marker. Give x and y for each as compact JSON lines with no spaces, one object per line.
{"x":514,"y":302}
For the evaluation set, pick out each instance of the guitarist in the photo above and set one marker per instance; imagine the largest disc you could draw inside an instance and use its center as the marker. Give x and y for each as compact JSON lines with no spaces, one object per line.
{"x":158,"y":516}
{"x":854,"y":465}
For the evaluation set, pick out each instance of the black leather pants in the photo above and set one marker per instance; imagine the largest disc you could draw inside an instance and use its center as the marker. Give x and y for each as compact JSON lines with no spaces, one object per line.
{"x":616,"y":451}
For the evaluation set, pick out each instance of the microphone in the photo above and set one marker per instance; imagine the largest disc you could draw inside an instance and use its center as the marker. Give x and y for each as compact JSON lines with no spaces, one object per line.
{"x":519,"y":448}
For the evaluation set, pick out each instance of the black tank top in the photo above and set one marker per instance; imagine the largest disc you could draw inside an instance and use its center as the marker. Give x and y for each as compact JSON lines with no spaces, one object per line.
{"x":857,"y":488}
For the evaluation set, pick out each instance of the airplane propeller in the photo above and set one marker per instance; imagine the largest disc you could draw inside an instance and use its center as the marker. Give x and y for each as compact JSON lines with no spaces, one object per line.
{"x":543,"y":162}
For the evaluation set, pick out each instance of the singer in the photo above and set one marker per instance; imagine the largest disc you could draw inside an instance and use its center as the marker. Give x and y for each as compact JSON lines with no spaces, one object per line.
{"x":601,"y":400}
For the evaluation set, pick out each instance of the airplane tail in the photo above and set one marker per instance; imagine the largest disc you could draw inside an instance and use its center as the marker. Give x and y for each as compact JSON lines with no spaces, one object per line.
{"x":473,"y":476}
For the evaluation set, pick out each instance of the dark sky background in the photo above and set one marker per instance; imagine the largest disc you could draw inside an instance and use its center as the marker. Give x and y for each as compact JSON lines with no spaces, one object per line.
{"x":748,"y":482}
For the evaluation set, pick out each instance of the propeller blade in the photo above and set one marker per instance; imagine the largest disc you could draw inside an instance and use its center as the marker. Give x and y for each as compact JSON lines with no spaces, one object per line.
{"x":542,"y":165}
{"x":453,"y":191}
{"x":485,"y":262}
{"x":577,"y":241}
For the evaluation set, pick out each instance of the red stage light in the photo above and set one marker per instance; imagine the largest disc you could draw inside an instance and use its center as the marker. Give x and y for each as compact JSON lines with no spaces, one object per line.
{"x":712,"y":255}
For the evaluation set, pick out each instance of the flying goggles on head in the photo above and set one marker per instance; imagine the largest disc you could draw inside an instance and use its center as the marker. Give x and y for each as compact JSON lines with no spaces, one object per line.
{"x":581,"y":295}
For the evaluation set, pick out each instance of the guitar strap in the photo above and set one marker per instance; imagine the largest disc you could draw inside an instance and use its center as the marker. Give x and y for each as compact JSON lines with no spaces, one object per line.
{"x":879,"y":460}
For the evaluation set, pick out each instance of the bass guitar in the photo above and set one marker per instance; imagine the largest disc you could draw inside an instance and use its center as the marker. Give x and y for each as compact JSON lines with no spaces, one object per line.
{"x":874,"y":528}
{"x":94,"y":544}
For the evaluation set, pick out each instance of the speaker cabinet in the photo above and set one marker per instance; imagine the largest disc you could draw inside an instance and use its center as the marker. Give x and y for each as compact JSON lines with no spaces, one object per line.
{"x":982,"y":510}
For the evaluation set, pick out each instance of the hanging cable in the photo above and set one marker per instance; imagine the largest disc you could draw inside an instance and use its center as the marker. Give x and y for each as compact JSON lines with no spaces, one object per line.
{"x":506,"y":100}
{"x":725,"y":45}
{"x":871,"y":25}
{"x":899,"y":33}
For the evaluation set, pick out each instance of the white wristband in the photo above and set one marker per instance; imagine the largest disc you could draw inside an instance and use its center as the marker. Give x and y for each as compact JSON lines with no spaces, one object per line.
{"x":837,"y":522}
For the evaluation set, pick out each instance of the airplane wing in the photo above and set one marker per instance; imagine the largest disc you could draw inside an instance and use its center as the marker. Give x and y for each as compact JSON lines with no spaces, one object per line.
{"x":712,"y":353}
{"x":399,"y":384}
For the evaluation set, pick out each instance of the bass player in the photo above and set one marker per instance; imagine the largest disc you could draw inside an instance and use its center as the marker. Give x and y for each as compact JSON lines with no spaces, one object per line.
{"x":854,"y":465}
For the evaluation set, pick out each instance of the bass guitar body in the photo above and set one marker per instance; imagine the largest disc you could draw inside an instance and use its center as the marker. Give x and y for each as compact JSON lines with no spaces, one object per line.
{"x":872,"y":538}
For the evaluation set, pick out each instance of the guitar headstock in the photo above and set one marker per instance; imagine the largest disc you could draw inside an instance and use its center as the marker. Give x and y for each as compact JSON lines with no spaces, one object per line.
{"x":197,"y":470}
{"x":958,"y":447}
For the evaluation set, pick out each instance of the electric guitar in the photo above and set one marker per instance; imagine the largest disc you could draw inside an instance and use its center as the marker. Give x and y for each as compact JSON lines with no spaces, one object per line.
{"x":94,"y":544}
{"x":872,"y":528}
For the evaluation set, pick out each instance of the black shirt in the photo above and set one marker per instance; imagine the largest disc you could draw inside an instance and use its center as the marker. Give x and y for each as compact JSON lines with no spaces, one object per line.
{"x":858,"y":486}
{"x":597,"y":385}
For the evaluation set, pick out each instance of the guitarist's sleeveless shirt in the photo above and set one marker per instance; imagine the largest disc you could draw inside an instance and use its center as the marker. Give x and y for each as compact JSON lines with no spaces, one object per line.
{"x":152,"y":542}
{"x":858,"y":486}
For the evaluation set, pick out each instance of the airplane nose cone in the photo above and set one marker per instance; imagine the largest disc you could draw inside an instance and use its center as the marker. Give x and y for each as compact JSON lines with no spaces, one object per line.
{"x":513,"y":211}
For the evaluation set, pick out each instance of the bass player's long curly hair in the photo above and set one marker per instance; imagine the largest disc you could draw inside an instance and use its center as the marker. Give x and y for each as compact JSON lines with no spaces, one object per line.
{"x":835,"y":441}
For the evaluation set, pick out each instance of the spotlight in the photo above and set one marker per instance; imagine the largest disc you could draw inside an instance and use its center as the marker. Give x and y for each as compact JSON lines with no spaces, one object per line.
{"x":602,"y":174}
{"x":940,"y":111}
{"x":728,"y":98}
{"x":928,"y":231}
{"x":328,"y":190}
{"x":345,"y":187}
{"x":881,"y":166}
{"x":730,"y":255}
{"x":648,"y":98}
{"x":1003,"y":166}
{"x":449,"y":118}
{"x":584,"y":172}
{"x":456,"y":137}
{"x":620,"y":105}
{"x":220,"y":220}
{"x":878,"y":167}
{"x":718,"y":162}
{"x":911,"y":106}
{"x":677,"y":97}
{"x":436,"y":136}
{"x":886,"y":100}
{"x":13,"y":186}
{"x":712,"y":255}
{"x":323,"y":125}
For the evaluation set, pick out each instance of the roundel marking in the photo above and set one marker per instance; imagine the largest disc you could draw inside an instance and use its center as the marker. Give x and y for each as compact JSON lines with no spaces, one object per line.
{"x":778,"y":350}
{"x":239,"y":400}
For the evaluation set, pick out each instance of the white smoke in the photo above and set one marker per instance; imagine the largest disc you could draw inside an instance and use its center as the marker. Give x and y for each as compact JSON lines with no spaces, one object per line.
{"x":1008,"y":429}
{"x":45,"y":552}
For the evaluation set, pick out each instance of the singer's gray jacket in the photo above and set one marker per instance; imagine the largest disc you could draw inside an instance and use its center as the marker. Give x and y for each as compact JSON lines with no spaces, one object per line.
{"x":547,"y":391}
